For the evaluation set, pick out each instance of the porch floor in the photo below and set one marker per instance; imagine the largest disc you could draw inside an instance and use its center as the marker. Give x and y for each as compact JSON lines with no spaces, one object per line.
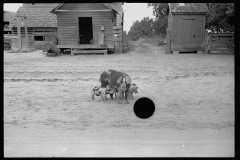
{"x":87,"y":46}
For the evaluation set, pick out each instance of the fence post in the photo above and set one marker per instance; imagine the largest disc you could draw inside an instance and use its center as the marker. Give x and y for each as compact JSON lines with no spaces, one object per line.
{"x":206,"y":43}
{"x":168,"y":46}
{"x":26,"y":32}
{"x":210,"y":43}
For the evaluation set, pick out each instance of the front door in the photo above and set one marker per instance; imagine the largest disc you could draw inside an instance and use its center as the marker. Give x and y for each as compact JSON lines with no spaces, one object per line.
{"x":187,"y":33}
{"x":85,"y":30}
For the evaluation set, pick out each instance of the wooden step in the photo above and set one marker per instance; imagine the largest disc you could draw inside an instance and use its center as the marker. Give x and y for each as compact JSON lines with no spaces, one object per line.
{"x":87,"y":46}
{"x":73,"y":52}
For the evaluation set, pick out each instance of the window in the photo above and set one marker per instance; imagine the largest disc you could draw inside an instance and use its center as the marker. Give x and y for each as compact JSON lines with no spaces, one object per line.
{"x":38,"y":38}
{"x":5,"y":24}
{"x":6,"y":32}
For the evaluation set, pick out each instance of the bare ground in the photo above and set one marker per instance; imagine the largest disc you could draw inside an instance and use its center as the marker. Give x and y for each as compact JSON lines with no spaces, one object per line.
{"x":48,"y":109}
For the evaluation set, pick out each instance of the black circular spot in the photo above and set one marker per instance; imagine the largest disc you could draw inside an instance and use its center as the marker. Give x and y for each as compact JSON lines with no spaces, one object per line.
{"x":144,"y":108}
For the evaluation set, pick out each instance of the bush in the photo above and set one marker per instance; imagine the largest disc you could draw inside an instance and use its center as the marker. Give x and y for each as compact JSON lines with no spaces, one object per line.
{"x":127,"y":45}
{"x":135,"y":38}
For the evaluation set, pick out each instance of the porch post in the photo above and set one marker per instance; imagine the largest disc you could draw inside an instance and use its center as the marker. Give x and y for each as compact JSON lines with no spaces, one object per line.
{"x":26,"y":33}
{"x":19,"y":33}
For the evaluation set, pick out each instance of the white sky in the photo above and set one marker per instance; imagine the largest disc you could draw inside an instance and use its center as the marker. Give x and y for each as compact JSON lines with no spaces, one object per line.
{"x":11,"y":6}
{"x":135,"y":11}
{"x":132,"y":12}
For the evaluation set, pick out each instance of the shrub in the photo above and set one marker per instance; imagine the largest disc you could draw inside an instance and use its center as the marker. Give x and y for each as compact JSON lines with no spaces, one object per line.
{"x":127,"y":45}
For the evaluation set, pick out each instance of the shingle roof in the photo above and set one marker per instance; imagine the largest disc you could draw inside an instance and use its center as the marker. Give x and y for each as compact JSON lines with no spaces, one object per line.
{"x":37,"y":17}
{"x":8,"y":15}
{"x":188,"y":7}
{"x":115,"y":6}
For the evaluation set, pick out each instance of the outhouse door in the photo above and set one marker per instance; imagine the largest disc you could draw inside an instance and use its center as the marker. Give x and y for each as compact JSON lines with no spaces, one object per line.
{"x":187,"y":33}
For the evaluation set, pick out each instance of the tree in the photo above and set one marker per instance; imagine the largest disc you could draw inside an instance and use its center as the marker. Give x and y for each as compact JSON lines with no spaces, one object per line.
{"x":148,"y":27}
{"x":135,"y":31}
{"x":220,"y":17}
{"x":144,"y":28}
{"x":160,"y":26}
{"x":125,"y":34}
{"x":161,"y":12}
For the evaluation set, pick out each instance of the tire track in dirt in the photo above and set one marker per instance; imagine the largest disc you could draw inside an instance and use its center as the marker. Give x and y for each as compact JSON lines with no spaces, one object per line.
{"x":53,"y":76}
{"x":146,"y":70}
{"x":59,"y":79}
{"x":48,"y":79}
{"x":205,"y":74}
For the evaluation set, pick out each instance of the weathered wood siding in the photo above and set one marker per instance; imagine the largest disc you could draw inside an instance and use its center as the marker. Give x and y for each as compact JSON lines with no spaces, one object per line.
{"x":114,"y":18}
{"x":170,"y":21}
{"x":25,"y":44}
{"x":32,"y":30}
{"x":68,"y":24}
{"x":49,"y":34}
{"x":199,"y":29}
{"x":221,"y":43}
{"x":119,"y":19}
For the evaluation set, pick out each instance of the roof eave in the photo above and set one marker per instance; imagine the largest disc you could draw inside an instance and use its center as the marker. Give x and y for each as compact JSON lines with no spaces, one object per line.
{"x":203,"y":11}
{"x":54,"y":9}
{"x":188,"y":12}
{"x":106,"y":4}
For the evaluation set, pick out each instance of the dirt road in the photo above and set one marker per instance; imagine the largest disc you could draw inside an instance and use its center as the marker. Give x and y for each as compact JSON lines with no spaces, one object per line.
{"x":48,"y":109}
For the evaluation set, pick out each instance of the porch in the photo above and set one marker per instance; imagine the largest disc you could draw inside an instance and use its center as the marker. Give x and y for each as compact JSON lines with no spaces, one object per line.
{"x":87,"y":48}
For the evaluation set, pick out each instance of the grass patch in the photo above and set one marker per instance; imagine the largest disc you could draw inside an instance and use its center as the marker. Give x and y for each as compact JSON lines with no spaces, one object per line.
{"x":155,"y":41}
{"x":128,"y":45}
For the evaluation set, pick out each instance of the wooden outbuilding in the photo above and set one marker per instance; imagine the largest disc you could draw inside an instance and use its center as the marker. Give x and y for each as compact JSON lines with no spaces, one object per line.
{"x":89,"y":27}
{"x":186,"y":27}
{"x":7,"y":29}
{"x":8,"y":16}
{"x":41,"y":25}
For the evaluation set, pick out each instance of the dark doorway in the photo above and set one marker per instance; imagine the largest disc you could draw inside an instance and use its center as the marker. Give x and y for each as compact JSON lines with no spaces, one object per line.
{"x":85,"y":29}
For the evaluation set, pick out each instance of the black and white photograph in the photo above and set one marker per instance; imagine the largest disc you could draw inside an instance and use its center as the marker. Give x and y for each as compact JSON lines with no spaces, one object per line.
{"x":119,"y":79}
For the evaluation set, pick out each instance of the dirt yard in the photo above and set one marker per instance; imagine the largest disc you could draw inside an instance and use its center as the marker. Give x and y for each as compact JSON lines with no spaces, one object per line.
{"x":48,"y":111}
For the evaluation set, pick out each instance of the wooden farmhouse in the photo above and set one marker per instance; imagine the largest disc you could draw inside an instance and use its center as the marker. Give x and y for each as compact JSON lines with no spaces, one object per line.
{"x":89,"y":27}
{"x":7,"y":29}
{"x":186,"y":27}
{"x":8,"y":16}
{"x":41,"y":25}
